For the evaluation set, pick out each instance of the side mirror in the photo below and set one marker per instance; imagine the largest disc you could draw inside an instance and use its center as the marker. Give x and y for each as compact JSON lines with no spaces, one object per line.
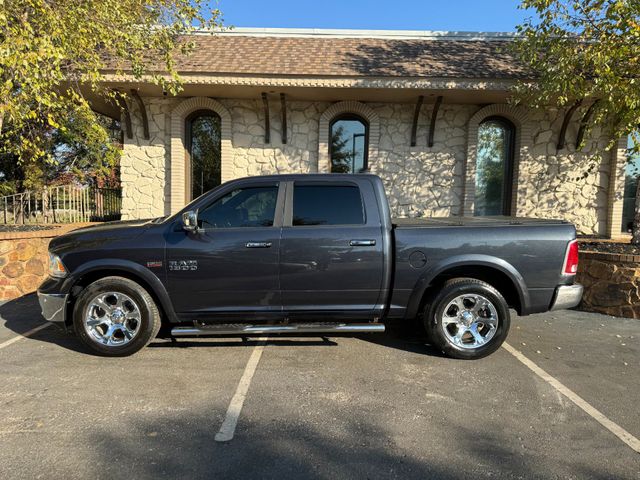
{"x":190,"y":221}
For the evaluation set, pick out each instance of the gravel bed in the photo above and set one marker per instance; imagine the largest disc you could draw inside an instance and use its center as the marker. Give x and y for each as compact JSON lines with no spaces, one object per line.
{"x":610,"y":247}
{"x":25,"y":228}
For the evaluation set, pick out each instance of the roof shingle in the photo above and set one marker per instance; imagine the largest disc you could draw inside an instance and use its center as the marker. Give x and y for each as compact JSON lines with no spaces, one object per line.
{"x":349,"y":57}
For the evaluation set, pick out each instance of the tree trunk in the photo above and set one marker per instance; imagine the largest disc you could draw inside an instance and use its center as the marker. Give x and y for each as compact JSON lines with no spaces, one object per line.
{"x":635,"y":239}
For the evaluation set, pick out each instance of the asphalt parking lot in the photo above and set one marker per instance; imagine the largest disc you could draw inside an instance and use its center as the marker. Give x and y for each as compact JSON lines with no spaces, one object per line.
{"x":373,"y":406}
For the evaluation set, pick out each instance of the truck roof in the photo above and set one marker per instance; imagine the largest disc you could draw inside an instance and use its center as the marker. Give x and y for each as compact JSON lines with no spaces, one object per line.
{"x":312,"y":176}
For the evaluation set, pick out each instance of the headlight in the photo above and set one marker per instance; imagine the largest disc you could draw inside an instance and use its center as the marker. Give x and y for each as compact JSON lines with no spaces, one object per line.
{"x":56,"y":267}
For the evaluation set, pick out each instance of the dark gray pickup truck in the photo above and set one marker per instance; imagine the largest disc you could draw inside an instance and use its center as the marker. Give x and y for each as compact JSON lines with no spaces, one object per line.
{"x":309,"y":254}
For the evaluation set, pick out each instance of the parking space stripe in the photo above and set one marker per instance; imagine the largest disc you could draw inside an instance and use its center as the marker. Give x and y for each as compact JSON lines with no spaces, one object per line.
{"x":228,"y":428}
{"x":613,"y":427}
{"x":25,"y":335}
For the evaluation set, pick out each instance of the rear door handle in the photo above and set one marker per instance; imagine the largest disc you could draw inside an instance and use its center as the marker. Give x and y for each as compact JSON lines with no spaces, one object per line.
{"x":258,"y":244}
{"x":362,"y":243}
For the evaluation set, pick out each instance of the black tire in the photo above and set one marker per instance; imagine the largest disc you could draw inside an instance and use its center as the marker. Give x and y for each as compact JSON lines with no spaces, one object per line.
{"x":146,"y":329}
{"x":434,"y":313}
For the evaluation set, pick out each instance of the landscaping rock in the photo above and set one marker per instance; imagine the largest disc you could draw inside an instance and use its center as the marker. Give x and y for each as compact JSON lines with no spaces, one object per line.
{"x":35,"y":266}
{"x":13,"y":269}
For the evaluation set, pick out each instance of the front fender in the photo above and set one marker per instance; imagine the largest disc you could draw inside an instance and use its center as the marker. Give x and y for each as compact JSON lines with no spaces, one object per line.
{"x":135,"y":270}
{"x":470,"y":260}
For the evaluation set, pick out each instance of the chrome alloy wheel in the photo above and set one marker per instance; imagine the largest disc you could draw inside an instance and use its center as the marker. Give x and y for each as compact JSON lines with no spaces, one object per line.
{"x":112,"y":319}
{"x":469,"y":321}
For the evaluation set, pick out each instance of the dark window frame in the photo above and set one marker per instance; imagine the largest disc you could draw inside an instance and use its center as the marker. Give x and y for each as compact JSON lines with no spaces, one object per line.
{"x":188,"y":140}
{"x":352,"y":117}
{"x":509,"y":161}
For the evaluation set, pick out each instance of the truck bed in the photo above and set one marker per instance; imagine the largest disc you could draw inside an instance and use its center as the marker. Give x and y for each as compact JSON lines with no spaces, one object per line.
{"x":496,"y":221}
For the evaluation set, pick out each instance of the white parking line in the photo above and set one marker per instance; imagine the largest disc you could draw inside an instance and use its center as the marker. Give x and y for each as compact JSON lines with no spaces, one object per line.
{"x":25,"y":334}
{"x":228,"y":428}
{"x":613,"y":427}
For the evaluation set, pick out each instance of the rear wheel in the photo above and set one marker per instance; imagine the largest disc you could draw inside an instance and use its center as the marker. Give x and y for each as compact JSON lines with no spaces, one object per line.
{"x":467,"y":319}
{"x":115,"y":317}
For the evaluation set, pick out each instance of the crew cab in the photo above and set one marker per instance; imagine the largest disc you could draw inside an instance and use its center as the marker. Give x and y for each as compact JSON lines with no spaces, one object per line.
{"x":312,"y":254}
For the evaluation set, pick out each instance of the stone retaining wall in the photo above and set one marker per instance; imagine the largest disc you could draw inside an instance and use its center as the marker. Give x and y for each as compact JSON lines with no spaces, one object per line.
{"x":612,"y":283}
{"x":24,"y":259}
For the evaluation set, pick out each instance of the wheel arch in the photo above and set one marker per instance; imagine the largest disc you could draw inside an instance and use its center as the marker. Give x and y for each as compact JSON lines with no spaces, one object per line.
{"x":496,"y":272}
{"x":96,"y":270}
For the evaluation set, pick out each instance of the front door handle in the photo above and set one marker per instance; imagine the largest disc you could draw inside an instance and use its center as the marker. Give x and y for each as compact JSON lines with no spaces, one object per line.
{"x":258,"y":244}
{"x":362,"y":243}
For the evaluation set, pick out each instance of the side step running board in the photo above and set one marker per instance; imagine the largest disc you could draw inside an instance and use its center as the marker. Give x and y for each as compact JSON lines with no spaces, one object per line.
{"x":239,"y":329}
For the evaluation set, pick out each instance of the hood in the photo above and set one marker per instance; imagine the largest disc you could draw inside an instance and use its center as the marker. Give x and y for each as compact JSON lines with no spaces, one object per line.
{"x":99,"y":234}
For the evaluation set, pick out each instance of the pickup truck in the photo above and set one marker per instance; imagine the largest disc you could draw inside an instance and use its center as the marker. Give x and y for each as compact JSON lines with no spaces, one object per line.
{"x":310,"y":254}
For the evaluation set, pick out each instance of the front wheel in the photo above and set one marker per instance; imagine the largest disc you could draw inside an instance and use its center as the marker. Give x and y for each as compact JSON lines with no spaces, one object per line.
{"x":467,"y":319}
{"x":115,"y":317}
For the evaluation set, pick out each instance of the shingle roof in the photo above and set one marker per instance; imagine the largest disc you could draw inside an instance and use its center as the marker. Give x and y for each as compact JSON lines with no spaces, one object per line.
{"x":328,"y":56}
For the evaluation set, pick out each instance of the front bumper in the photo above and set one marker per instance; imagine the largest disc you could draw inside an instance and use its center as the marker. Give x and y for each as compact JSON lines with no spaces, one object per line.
{"x":53,"y":306}
{"x":567,"y":296}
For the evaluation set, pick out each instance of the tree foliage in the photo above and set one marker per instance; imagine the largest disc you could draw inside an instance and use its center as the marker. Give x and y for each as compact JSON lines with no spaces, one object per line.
{"x":341,"y":153}
{"x":81,"y":152}
{"x":584,"y":50}
{"x":53,"y":54}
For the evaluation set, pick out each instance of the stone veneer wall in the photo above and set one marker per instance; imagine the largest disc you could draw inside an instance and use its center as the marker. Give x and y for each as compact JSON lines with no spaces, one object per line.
{"x":611,"y":282}
{"x":553,"y":184}
{"x":24,"y":260}
{"x":420,"y":181}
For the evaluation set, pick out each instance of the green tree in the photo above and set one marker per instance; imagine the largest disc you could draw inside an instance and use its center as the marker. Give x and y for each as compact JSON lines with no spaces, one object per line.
{"x":587,"y":51}
{"x":80,"y":154}
{"x":53,"y":55}
{"x":341,"y":154}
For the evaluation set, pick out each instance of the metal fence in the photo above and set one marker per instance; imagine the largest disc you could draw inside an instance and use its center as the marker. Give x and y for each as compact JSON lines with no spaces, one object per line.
{"x":62,"y":204}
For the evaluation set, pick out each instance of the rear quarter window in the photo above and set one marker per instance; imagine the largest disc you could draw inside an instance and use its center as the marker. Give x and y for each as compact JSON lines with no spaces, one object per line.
{"x":327,"y":205}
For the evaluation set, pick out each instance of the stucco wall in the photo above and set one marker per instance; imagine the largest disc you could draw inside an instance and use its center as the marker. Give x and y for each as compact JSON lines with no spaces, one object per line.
{"x":420,"y":181}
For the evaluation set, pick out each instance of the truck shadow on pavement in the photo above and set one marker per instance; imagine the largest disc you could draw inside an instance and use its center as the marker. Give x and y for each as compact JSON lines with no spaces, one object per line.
{"x":354,"y":445}
{"x":22,"y":314}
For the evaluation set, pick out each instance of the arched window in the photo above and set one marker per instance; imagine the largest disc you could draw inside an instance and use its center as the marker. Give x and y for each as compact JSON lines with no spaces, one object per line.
{"x":348,"y":144}
{"x":494,"y":167}
{"x":204,"y":147}
{"x":632,"y":172}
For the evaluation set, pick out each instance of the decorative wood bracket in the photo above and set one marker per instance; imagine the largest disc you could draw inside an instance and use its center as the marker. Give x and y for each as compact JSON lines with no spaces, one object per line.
{"x":143,"y":113}
{"x":434,"y":115}
{"x":416,"y":114}
{"x":267,"y":124}
{"x":565,"y":124}
{"x":122,"y":103}
{"x":584,"y":122}
{"x":283,"y":105}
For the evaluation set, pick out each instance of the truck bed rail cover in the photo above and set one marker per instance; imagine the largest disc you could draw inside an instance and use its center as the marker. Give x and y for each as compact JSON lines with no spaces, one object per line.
{"x":472,"y":221}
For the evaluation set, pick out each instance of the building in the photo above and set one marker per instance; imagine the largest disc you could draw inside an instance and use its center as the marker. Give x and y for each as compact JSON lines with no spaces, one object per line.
{"x":427,"y":111}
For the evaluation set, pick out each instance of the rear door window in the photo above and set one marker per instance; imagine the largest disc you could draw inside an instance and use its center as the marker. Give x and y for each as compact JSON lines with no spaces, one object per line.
{"x":327,"y":205}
